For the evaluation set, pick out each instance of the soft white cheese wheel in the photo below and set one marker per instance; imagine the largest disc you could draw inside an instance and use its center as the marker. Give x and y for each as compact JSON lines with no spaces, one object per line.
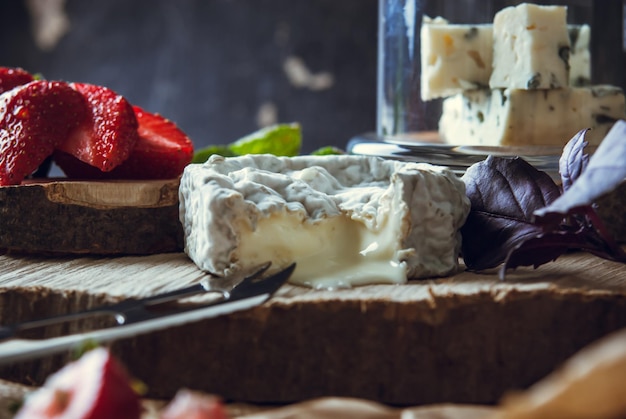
{"x":345,"y":220}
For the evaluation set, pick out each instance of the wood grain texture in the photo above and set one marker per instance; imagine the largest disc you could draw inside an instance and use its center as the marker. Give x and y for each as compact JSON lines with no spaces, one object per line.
{"x":464,"y":339}
{"x":91,"y":217}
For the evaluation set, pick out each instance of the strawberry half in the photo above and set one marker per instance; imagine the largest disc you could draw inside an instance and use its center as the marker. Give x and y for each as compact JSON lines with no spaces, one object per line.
{"x":94,"y":387}
{"x":163,"y":149}
{"x":13,"y":77}
{"x":34,"y":119}
{"x":104,"y":140}
{"x":161,"y":152}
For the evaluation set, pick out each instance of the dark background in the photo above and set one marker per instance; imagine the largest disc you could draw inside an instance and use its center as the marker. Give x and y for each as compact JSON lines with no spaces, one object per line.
{"x":211,"y":65}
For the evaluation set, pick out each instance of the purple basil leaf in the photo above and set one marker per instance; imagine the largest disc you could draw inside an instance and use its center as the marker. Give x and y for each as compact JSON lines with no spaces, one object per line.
{"x":605,"y":171}
{"x":541,"y":249}
{"x":504,"y":193}
{"x":548,"y":246}
{"x":597,"y":233}
{"x":487,"y":238}
{"x":573,"y":160}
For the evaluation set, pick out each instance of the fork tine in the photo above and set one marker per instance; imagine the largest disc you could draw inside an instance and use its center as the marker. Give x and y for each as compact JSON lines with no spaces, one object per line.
{"x":225,"y":284}
{"x":250,"y":286}
{"x":258,"y":272}
{"x":133,"y":310}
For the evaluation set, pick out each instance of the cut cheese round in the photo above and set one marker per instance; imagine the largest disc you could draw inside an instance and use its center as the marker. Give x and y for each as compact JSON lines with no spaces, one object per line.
{"x":345,"y":220}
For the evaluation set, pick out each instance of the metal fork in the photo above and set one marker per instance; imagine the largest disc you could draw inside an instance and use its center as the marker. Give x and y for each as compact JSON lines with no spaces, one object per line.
{"x":135,"y":317}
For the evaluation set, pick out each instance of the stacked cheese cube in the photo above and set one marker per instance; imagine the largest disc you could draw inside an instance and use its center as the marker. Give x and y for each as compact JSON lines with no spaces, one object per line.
{"x":524,"y":80}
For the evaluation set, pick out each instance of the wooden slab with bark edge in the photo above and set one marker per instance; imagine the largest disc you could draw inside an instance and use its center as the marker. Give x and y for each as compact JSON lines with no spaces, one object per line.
{"x":113,"y":217}
{"x":464,"y":339}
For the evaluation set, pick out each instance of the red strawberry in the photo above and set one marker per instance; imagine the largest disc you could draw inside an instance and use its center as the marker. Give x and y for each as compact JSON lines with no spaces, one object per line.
{"x":34,"y":119}
{"x":108,"y":135}
{"x":188,"y":404}
{"x":94,"y":387}
{"x":161,"y":152}
{"x":13,"y":77}
{"x":76,"y":169}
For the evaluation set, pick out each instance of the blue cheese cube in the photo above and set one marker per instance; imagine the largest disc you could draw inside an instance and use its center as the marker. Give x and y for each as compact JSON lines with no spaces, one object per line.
{"x":454,"y":57}
{"x":580,"y":56}
{"x":531,"y":48}
{"x":514,"y":117}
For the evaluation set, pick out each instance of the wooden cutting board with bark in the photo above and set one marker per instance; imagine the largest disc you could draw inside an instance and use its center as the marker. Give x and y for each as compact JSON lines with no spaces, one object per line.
{"x":91,"y":217}
{"x":467,"y":338}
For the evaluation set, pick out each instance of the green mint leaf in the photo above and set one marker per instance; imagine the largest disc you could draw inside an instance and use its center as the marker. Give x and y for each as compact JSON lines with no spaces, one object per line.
{"x":279,"y":140}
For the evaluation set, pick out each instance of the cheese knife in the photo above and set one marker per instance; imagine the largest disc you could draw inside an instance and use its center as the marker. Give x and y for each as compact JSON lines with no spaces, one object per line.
{"x":135,"y":317}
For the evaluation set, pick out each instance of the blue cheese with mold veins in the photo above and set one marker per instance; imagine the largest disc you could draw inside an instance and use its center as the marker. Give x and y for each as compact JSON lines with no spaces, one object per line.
{"x":513,"y":117}
{"x":531,"y":47}
{"x":454,"y":57}
{"x":345,"y":220}
{"x":580,"y":55}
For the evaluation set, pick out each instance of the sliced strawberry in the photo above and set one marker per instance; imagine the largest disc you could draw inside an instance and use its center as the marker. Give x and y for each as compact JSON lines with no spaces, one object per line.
{"x":188,"y":404}
{"x":34,"y":119}
{"x":94,"y":387}
{"x":163,"y":149}
{"x":106,"y":138}
{"x":13,"y":77}
{"x":161,"y":152}
{"x":76,"y":169}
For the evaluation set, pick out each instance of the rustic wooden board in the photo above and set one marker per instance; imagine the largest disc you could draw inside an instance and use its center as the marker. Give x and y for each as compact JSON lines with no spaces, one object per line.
{"x":113,"y":217}
{"x":465,"y":339}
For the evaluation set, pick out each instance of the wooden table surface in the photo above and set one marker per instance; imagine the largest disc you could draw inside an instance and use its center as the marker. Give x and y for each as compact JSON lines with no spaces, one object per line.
{"x":140,"y":276}
{"x":465,"y":329}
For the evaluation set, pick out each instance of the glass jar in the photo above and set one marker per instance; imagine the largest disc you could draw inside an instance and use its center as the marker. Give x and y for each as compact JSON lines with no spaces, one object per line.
{"x":401,"y":111}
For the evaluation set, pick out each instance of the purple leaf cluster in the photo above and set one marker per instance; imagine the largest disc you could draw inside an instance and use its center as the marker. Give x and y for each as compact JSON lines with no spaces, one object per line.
{"x":521,"y":217}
